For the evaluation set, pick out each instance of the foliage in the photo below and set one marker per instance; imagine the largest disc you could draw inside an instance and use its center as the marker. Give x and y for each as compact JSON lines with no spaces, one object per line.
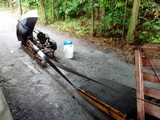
{"x":113,"y":23}
{"x":72,"y":9}
{"x":74,"y":26}
{"x":112,"y":17}
{"x":3,"y":3}
{"x":103,"y":3}
{"x":32,"y":4}
{"x":148,"y":29}
{"x":150,"y":32}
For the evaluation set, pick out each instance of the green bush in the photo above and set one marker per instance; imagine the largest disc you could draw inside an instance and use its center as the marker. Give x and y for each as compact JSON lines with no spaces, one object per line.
{"x":72,"y":9}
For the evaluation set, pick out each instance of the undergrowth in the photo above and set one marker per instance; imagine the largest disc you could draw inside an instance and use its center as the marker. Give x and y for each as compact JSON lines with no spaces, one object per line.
{"x":79,"y":27}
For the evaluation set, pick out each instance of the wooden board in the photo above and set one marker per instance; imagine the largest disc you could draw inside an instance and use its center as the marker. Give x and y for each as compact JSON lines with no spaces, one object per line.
{"x":117,"y":96}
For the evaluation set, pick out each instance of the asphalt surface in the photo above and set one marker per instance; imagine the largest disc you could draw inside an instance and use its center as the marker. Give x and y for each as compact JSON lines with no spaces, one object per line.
{"x":34,"y":93}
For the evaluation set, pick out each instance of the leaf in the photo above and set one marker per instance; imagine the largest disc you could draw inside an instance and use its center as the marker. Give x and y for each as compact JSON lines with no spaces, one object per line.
{"x":120,"y":4}
{"x":108,"y":20}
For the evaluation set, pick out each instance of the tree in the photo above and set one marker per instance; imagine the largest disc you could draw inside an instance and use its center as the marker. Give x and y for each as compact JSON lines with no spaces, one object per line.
{"x":103,"y":5}
{"x":43,"y":11}
{"x":107,"y":18}
{"x":133,"y":21}
{"x":93,"y":30}
{"x":4,"y":3}
{"x":20,"y":7}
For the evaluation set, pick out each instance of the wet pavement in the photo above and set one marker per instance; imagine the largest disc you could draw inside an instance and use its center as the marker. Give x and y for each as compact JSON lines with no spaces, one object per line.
{"x":34,"y":93}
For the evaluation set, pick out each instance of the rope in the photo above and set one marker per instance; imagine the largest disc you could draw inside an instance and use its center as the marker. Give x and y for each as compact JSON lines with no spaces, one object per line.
{"x":145,"y":100}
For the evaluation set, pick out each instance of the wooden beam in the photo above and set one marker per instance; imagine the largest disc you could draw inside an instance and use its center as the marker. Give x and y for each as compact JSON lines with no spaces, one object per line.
{"x":152,"y":93}
{"x":149,"y":77}
{"x":152,"y":109}
{"x":151,"y":49}
{"x":151,"y":45}
{"x":154,"y":62}
{"x":30,"y":51}
{"x":103,"y":106}
{"x":139,"y":85}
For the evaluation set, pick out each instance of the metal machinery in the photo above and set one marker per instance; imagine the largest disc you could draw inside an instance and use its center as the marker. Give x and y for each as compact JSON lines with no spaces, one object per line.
{"x":44,"y":43}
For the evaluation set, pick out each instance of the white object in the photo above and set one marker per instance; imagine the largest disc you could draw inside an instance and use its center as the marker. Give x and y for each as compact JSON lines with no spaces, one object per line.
{"x":12,"y":51}
{"x":68,"y":51}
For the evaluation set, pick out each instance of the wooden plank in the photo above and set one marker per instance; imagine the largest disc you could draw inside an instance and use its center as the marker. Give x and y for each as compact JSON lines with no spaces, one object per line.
{"x":103,"y":106}
{"x":154,"y":62}
{"x":151,"y":49}
{"x":149,"y":77}
{"x":114,"y":94}
{"x":150,"y":45}
{"x":152,"y":93}
{"x":29,"y":52}
{"x":42,"y":63}
{"x":152,"y":109}
{"x":139,"y":85}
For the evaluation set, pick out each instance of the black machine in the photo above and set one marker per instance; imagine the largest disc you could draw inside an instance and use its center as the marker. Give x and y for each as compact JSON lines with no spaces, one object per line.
{"x":45,"y":44}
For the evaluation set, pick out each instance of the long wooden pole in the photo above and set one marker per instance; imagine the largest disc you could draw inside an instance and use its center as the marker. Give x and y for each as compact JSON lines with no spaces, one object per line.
{"x":116,"y":114}
{"x":139,"y":85}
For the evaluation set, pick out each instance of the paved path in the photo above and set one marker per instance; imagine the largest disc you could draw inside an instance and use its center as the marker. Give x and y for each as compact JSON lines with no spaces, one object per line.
{"x":37,"y":94}
{"x":93,"y":62}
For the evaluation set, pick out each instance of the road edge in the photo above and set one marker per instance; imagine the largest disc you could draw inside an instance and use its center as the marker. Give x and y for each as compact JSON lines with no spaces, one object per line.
{"x":5,"y":113}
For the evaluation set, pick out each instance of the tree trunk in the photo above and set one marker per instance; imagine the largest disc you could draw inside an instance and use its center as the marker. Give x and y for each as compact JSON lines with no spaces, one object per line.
{"x":9,"y":3}
{"x":104,"y":11}
{"x":124,"y":19}
{"x":133,"y":22}
{"x":53,"y":16}
{"x":52,"y":10}
{"x":43,"y":11}
{"x":98,"y":12}
{"x":93,"y":31}
{"x":20,"y":7}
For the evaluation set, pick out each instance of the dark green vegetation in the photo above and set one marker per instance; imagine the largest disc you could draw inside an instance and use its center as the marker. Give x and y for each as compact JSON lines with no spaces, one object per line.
{"x":130,"y":20}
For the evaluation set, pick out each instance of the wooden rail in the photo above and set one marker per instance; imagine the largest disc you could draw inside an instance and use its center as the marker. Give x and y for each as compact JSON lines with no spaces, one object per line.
{"x":150,"y":106}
